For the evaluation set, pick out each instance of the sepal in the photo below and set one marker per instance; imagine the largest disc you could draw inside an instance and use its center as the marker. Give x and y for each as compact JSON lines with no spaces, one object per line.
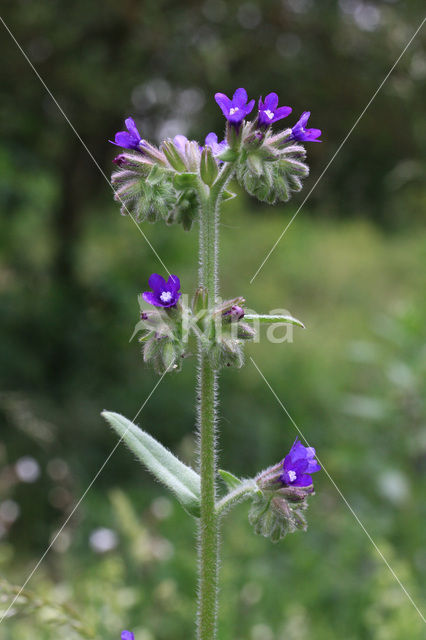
{"x":274,"y":516}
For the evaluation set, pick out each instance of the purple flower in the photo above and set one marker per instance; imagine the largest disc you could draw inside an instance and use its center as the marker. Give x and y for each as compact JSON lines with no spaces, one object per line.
{"x":127,"y":635}
{"x":216,"y":147}
{"x":270,"y":112}
{"x":299,"y":132}
{"x":237,"y":109}
{"x":163,"y":294}
{"x":298,"y":464}
{"x":129,"y":139}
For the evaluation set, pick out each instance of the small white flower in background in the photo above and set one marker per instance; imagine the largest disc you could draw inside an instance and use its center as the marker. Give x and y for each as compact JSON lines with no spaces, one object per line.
{"x":261,"y":632}
{"x":27,"y":469}
{"x":102,"y":540}
{"x":61,"y":541}
{"x":162,"y":508}
{"x":9,"y":511}
{"x":394,"y":486}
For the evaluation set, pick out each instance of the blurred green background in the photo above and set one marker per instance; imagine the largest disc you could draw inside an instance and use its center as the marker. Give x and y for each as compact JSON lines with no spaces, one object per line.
{"x":352,"y":267}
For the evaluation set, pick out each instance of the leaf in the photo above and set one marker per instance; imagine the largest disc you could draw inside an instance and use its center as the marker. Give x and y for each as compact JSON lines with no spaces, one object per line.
{"x":229,"y":479}
{"x":183,"y":481}
{"x":263,"y":319}
{"x":228,"y":195}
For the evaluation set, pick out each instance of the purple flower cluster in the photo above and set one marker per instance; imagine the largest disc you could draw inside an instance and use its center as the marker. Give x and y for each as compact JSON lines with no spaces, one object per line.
{"x":298,"y":464}
{"x":239,"y":107}
{"x":164,"y":294}
{"x":235,"y":110}
{"x":127,"y":635}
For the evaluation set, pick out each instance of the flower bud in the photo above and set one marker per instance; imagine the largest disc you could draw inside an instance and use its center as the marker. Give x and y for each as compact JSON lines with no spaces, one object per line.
{"x":245,"y":331}
{"x":173,"y":156}
{"x":225,"y":307}
{"x":234,"y":314}
{"x":225,"y":352}
{"x":208,"y":167}
{"x":199,"y":301}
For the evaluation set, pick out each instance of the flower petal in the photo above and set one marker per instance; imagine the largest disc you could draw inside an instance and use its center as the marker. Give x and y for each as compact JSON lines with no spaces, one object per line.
{"x":180,"y":142}
{"x":249,"y":107}
{"x":123,"y":139}
{"x":131,"y":127}
{"x":211,"y":139}
{"x":173,"y":283}
{"x":313,"y":466}
{"x":271,"y":101}
{"x":239,"y":98}
{"x":314,"y":134}
{"x":304,"y":118}
{"x":303,"y":481}
{"x":151,"y":298}
{"x":224,"y":102}
{"x":282,"y":112}
{"x":127,"y":635}
{"x":157,"y":283}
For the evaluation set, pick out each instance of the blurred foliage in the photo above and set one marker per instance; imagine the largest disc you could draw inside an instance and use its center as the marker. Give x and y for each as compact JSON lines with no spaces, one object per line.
{"x":349,"y":267}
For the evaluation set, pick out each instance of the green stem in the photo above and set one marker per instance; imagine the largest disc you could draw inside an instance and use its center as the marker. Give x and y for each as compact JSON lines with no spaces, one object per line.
{"x":247,"y":489}
{"x":208,"y":555}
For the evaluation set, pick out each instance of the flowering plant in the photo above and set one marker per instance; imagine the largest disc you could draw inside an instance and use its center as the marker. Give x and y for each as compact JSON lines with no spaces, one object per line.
{"x":182,"y":182}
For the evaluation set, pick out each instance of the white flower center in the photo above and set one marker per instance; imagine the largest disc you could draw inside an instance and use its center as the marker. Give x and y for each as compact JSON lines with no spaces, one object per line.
{"x":292,"y":476}
{"x":166,"y":296}
{"x":269,"y":114}
{"x":233,"y":110}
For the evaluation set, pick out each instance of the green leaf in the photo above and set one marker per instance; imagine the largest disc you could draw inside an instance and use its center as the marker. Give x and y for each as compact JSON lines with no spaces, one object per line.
{"x":263,"y":319}
{"x":183,"y":481}
{"x":228,"y":195}
{"x":229,"y":479}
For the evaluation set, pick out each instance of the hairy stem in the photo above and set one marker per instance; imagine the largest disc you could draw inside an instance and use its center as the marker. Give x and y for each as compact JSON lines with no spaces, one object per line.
{"x":247,"y":489}
{"x":208,"y":554}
